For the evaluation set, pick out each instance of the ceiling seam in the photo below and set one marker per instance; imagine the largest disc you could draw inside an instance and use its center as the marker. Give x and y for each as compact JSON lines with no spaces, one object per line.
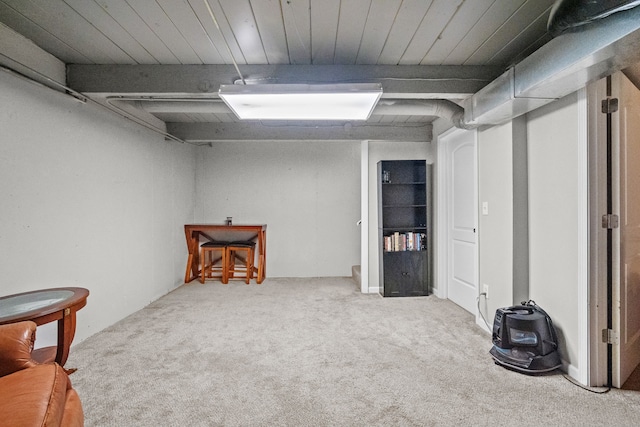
{"x":180,"y":32}
{"x":522,"y":31}
{"x":206,"y":33}
{"x":215,"y":21}
{"x":253,"y":15}
{"x":335,"y":36}
{"x":134,"y":38}
{"x":496,"y":31}
{"x":284,"y":28}
{"x":469,"y":31}
{"x":48,"y":32}
{"x":414,"y":34}
{"x":100,"y":31}
{"x":355,"y":61}
{"x":154,"y":33}
{"x":386,"y":39}
{"x":442,"y":31}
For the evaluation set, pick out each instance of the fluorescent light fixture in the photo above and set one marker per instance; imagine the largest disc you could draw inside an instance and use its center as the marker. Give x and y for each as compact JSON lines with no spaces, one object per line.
{"x":301,"y":101}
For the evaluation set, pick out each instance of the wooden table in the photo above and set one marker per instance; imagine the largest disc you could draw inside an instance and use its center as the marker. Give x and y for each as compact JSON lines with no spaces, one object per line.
{"x":44,"y":306}
{"x":195,"y":232}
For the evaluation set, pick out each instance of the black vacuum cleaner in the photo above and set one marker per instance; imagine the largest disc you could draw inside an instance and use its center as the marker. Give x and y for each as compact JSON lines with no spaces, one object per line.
{"x":524,"y":339}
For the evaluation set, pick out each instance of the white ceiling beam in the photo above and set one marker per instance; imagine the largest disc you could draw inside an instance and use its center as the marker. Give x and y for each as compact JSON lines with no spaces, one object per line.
{"x":301,"y":131}
{"x":398,"y":81}
{"x":22,"y":55}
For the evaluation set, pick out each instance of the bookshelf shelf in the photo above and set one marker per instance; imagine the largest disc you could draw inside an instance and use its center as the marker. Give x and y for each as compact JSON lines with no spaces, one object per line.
{"x":404,"y":214}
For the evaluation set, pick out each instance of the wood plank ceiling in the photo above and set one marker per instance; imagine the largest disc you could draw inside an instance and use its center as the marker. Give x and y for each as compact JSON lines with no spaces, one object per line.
{"x":424,"y":34}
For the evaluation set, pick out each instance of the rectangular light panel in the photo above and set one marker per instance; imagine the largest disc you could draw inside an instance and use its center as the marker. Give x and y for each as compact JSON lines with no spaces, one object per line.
{"x":301,"y":101}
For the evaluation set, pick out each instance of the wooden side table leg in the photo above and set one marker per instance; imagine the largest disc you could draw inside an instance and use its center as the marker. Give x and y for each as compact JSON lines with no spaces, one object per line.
{"x":66,"y":332}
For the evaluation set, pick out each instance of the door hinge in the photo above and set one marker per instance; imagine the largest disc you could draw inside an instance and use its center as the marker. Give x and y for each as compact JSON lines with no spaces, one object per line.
{"x":609,"y":105}
{"x":610,"y":221}
{"x":609,"y":336}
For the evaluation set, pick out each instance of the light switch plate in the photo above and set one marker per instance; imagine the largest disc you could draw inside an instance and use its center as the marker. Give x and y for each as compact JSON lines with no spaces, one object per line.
{"x":485,"y":208}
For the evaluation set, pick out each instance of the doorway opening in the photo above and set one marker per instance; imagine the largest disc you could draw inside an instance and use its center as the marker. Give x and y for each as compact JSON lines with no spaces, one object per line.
{"x":615,"y":231}
{"x":457,"y":218}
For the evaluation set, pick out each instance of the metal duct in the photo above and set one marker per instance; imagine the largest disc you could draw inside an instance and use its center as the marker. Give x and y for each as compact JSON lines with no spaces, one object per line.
{"x":429,"y":107}
{"x":568,"y":14}
{"x":562,"y":66}
{"x":182,"y":106}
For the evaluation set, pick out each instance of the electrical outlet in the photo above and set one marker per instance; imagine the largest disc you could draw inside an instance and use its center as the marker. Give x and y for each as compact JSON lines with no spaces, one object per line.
{"x":485,"y":290}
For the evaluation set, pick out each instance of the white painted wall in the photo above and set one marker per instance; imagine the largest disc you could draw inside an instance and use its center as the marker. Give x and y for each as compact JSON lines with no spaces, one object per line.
{"x":556,"y":202}
{"x":554,"y":147}
{"x":388,"y":151}
{"x":503,"y":232}
{"x":307,"y":192}
{"x":89,"y":199}
{"x":495,"y":230}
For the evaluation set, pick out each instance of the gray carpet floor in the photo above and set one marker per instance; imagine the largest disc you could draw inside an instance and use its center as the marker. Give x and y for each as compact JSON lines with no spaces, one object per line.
{"x":316,"y":352}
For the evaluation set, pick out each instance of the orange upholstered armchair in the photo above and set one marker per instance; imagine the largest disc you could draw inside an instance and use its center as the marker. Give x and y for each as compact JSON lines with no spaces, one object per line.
{"x":31,"y":393}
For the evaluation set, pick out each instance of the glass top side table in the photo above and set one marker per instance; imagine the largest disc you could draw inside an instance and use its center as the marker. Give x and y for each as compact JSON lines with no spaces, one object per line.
{"x":45,"y":306}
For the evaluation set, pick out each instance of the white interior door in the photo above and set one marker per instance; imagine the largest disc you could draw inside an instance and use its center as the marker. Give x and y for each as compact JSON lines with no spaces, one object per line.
{"x":461,"y":212}
{"x":626,"y":292}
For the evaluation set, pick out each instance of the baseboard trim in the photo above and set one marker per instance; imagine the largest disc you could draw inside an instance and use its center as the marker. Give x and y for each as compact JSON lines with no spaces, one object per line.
{"x":572,"y":371}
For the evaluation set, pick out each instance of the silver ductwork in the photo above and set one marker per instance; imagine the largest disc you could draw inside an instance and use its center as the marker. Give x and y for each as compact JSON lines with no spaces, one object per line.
{"x":560,"y":67}
{"x":568,"y":14}
{"x":428,"y":107}
{"x":182,"y":106}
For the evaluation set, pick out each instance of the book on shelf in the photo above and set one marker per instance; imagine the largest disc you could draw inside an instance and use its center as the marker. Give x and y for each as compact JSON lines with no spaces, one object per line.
{"x":401,"y":242}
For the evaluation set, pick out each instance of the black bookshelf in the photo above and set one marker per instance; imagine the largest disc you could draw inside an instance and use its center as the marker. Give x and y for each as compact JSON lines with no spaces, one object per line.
{"x":404,"y":215}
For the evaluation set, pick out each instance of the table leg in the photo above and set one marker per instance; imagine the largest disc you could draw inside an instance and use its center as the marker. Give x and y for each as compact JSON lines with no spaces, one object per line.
{"x":66,"y":332}
{"x":187,"y":274}
{"x":262,"y":241}
{"x":193,"y":259}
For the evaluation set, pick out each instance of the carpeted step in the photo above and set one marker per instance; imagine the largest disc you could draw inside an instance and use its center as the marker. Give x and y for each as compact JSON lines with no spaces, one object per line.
{"x":355,"y":273}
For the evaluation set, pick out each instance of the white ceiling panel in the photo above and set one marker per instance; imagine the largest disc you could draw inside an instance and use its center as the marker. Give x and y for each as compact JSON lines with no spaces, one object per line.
{"x":239,"y":15}
{"x":63,"y":22}
{"x":462,"y":21}
{"x":483,"y":29}
{"x":408,"y":20}
{"x":96,"y":16}
{"x":41,"y":37}
{"x":297,"y":23}
{"x":516,"y":35}
{"x":383,"y":32}
{"x":59,"y":25}
{"x":350,"y":29}
{"x":270,"y":25}
{"x":380,"y":19}
{"x":434,"y":23}
{"x":131,"y":23}
{"x":163,"y":27}
{"x":226,"y":45}
{"x":187,"y":23}
{"x":513,"y":51}
{"x":325,"y":15}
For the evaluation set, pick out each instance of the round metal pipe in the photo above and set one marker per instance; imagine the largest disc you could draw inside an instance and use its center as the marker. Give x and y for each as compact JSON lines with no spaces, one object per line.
{"x":428,"y":107}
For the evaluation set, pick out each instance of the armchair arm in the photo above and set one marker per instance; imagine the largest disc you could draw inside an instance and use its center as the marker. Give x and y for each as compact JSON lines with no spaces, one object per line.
{"x":16,"y":345}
